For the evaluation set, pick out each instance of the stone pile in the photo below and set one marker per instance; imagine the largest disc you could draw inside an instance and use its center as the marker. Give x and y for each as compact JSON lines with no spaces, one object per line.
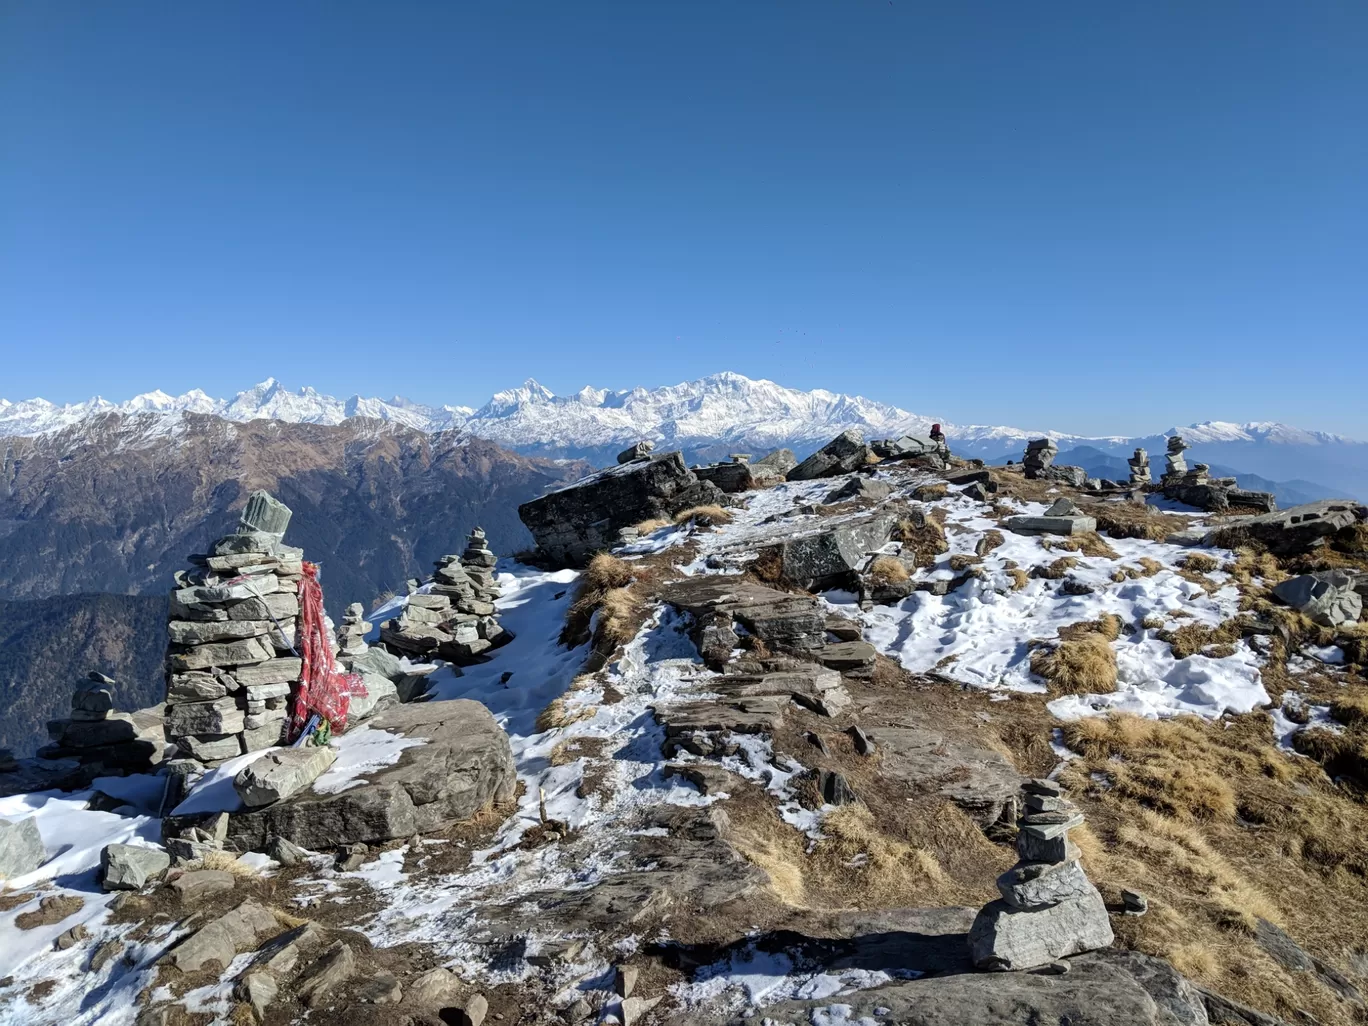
{"x":1139,"y":469}
{"x":351,"y":634}
{"x":1049,"y":909}
{"x":844,"y":454}
{"x":1175,"y":466}
{"x":1040,"y":456}
{"x":640,"y":451}
{"x":99,"y":738}
{"x":455,"y":620}
{"x":732,"y":476}
{"x":230,"y":667}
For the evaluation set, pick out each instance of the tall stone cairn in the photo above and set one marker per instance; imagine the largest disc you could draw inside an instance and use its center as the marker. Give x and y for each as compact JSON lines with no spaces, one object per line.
{"x":1176,"y":466}
{"x":1049,"y":909}
{"x":1040,"y":456}
{"x":230,"y":667}
{"x":455,"y":620}
{"x":1139,"y":468}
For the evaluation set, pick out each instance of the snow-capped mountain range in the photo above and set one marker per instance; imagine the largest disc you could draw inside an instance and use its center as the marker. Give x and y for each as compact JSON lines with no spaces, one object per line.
{"x":722,"y":408}
{"x":707,"y":419}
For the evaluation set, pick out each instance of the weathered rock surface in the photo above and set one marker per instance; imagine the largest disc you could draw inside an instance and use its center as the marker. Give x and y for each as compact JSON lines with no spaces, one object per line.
{"x":785,"y":622}
{"x":278,"y":775}
{"x":1103,"y":988}
{"x":845,"y":453}
{"x":979,"y":780}
{"x":828,"y":557}
{"x":571,"y":524}
{"x":464,"y":764}
{"x":772,"y":468}
{"x":1004,"y":937}
{"x":1328,"y":598}
{"x":1062,"y":525}
{"x":21,"y":847}
{"x":859,"y":486}
{"x":222,"y":938}
{"x":128,"y":867}
{"x":1290,"y":531}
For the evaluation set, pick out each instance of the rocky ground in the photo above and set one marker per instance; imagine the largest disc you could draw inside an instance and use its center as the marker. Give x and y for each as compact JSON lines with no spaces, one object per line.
{"x":737,"y":798}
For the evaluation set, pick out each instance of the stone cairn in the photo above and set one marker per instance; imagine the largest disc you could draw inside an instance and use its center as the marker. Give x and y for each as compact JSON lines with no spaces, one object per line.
{"x":455,"y":620}
{"x":1176,"y":466}
{"x":1049,"y":909}
{"x":1139,"y":469}
{"x":1040,"y":456}
{"x":96,"y":736}
{"x":231,"y":670}
{"x":351,"y":635}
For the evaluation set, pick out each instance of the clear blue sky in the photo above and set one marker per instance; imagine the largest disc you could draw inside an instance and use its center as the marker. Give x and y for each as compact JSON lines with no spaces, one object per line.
{"x":1097,"y":217}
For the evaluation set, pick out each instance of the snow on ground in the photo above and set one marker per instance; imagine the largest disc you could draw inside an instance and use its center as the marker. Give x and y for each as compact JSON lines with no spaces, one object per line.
{"x":74,"y":836}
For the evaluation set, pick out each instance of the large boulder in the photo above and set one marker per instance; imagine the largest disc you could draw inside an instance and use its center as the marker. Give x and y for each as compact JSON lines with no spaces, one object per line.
{"x":21,"y":847}
{"x":828,"y":557}
{"x":463,"y":764}
{"x":1288,"y":532}
{"x":128,"y":867}
{"x":573,"y":523}
{"x":844,"y":454}
{"x":1005,"y":937}
{"x":772,"y":468}
{"x":1327,"y":598}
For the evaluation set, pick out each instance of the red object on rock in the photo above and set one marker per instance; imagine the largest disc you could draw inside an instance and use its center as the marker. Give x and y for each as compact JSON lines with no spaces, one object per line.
{"x":323,"y":688}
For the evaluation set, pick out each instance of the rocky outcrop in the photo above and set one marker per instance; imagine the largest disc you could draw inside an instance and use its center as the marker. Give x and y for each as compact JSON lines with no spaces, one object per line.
{"x":771,"y":469}
{"x":1328,"y":598}
{"x":279,"y":775}
{"x":783,"y":621}
{"x":129,"y":867}
{"x":1049,"y":908}
{"x":829,"y":557}
{"x":1288,"y":532}
{"x":844,"y":454}
{"x":573,"y":523}
{"x":463,"y":764}
{"x":979,"y":780}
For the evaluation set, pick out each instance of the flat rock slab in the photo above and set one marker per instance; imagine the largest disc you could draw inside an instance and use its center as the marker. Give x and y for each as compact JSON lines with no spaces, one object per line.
{"x":279,"y":775}
{"x":759,"y":715}
{"x":782,"y":620}
{"x":1103,"y":987}
{"x":465,"y":764}
{"x":1050,"y":525}
{"x":978,"y":780}
{"x":1298,"y":529}
{"x":819,"y":559}
{"x":848,"y":655}
{"x":21,"y":847}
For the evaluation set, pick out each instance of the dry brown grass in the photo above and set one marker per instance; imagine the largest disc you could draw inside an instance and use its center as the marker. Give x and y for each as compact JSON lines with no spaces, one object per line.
{"x":992,"y":539}
{"x":890,"y":868}
{"x":887,"y":570}
{"x":1192,"y":638}
{"x":1107,"y":626}
{"x":559,"y":714}
{"x":960,"y":561}
{"x":922,"y":537}
{"x":1081,"y":665}
{"x":651,"y":526}
{"x":1089,"y":544}
{"x":228,"y":862}
{"x":1351,"y":710}
{"x":1251,"y":569}
{"x":703,"y":516}
{"x":1057,"y":570}
{"x":1200,"y":562}
{"x":1132,"y":520}
{"x":606,"y":601}
{"x":930,"y":492}
{"x":1020,"y":578}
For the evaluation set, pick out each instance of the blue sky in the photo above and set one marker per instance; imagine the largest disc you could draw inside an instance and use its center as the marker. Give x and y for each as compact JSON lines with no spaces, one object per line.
{"x":1092,"y":217}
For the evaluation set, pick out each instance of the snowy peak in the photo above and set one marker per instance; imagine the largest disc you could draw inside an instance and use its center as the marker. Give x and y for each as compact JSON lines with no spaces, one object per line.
{"x":1255,"y":431}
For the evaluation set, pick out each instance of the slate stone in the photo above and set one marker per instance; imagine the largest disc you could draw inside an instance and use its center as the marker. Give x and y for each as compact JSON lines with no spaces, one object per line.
{"x":214,"y":748}
{"x":265,"y":514}
{"x":979,"y":780}
{"x":1034,"y":525}
{"x":128,"y":867}
{"x":334,"y":967}
{"x":272,"y":671}
{"x":465,"y":764}
{"x":830,"y":556}
{"x":1328,"y":598}
{"x":278,"y":775}
{"x":1037,"y":885}
{"x":221,"y":716}
{"x":859,"y":487}
{"x":199,"y":632}
{"x":1299,"y":529}
{"x":1006,"y":938}
{"x":784,"y":621}
{"x":93,"y":698}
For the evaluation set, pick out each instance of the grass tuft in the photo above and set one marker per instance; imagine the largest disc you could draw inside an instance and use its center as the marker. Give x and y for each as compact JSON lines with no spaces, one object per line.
{"x":1084,"y":664}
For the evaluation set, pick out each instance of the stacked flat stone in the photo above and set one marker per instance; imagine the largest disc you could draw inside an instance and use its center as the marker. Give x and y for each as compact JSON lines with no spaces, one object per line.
{"x":96,"y":735}
{"x":1139,"y":468}
{"x":1176,"y":466}
{"x":1040,"y":456}
{"x":1049,"y":909}
{"x":351,"y":636}
{"x":230,"y":667}
{"x":455,"y":620}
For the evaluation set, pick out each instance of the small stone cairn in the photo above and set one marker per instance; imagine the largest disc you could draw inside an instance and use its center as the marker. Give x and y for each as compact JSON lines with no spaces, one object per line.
{"x":97,"y":736}
{"x":1040,"y":456}
{"x":230,"y":666}
{"x":1139,"y":469}
{"x":455,"y":620}
{"x":1049,"y":909}
{"x":1176,"y":467}
{"x":640,"y":451}
{"x":351,"y":635}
